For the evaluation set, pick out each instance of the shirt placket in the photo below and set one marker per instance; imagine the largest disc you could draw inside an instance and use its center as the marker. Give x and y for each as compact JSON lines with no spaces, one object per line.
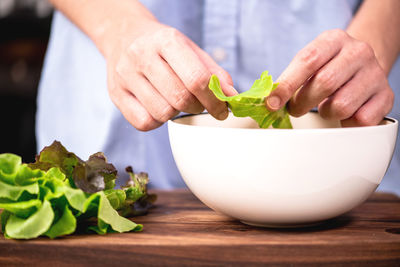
{"x":220,"y":32}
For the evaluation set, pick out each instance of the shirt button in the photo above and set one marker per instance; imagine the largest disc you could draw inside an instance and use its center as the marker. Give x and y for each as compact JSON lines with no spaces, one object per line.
{"x":219,"y":54}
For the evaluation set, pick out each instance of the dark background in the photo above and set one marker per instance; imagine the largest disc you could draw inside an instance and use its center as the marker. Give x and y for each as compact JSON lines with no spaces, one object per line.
{"x":24,"y":28}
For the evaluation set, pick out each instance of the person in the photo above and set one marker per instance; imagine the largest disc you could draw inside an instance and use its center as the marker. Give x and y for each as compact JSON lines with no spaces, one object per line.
{"x":116,"y":71}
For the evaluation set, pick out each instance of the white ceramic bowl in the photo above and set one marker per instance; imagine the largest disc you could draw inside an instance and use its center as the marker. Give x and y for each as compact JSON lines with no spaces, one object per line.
{"x":281,"y":177}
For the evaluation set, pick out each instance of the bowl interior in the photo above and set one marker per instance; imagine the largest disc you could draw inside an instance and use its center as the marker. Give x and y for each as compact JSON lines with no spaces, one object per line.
{"x":311,"y":120}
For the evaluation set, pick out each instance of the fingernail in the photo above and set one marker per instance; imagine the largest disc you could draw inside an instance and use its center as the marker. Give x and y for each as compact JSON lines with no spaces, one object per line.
{"x":274,"y":102}
{"x":223,"y":115}
{"x":232,"y":90}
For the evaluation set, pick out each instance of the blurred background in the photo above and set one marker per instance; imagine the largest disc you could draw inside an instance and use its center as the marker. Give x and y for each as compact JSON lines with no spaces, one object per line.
{"x":24,"y":28}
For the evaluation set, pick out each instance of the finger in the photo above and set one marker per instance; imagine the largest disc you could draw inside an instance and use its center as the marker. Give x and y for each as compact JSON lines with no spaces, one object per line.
{"x":325,"y":82}
{"x":168,"y":84}
{"x":304,"y":65}
{"x":351,"y":96}
{"x":224,"y":77}
{"x":150,"y":98}
{"x":134,"y":112}
{"x":373,"y":111}
{"x":192,"y":72}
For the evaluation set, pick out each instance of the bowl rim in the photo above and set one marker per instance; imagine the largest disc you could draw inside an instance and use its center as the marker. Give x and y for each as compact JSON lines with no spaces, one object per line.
{"x":394,"y":123}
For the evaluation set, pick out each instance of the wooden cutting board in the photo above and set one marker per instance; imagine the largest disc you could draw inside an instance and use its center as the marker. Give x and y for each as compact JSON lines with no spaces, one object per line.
{"x":181,"y":230}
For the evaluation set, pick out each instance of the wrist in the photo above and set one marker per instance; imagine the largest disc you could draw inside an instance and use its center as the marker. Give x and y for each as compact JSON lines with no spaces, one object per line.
{"x":105,"y":21}
{"x":119,"y":32}
{"x":376,"y":23}
{"x":126,"y":21}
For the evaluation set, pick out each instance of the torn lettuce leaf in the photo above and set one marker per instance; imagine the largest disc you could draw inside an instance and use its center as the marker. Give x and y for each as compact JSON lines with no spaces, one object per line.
{"x":252,"y":102}
{"x":46,"y":202}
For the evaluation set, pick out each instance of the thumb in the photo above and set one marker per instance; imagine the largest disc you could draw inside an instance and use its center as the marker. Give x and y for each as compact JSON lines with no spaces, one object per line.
{"x":278,"y":98}
{"x":307,"y":61}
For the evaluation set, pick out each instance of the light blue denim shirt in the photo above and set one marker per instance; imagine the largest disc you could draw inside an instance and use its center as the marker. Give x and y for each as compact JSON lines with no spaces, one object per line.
{"x":245,"y":37}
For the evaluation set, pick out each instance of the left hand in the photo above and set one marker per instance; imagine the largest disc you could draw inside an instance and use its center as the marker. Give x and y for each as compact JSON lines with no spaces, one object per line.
{"x":341,"y":76}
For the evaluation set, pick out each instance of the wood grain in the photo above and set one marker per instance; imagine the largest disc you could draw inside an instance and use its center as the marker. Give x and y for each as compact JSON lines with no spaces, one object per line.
{"x":181,"y":231}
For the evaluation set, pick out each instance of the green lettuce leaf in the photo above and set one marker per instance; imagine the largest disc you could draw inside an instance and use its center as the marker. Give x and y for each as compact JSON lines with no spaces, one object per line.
{"x":110,"y":216}
{"x":65,"y":225}
{"x":14,"y":192}
{"x":252,"y":102}
{"x":26,"y":175}
{"x":117,"y":197}
{"x":33,"y":226}
{"x":56,"y":207}
{"x":22,"y":209}
{"x":9,"y":167}
{"x":45,"y":201}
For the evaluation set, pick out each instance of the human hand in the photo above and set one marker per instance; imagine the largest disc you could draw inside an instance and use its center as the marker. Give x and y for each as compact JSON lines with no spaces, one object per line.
{"x":341,"y":76}
{"x":156,"y":72}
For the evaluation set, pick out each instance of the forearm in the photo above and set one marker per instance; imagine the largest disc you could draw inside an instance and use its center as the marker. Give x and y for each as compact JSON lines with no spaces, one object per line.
{"x":104,"y":20}
{"x":377,"y":23}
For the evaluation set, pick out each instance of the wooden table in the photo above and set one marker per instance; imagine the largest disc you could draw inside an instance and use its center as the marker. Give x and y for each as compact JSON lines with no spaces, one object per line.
{"x":180,"y":230}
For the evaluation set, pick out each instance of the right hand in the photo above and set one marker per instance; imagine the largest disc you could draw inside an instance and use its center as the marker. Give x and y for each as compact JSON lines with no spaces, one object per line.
{"x":154,"y":72}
